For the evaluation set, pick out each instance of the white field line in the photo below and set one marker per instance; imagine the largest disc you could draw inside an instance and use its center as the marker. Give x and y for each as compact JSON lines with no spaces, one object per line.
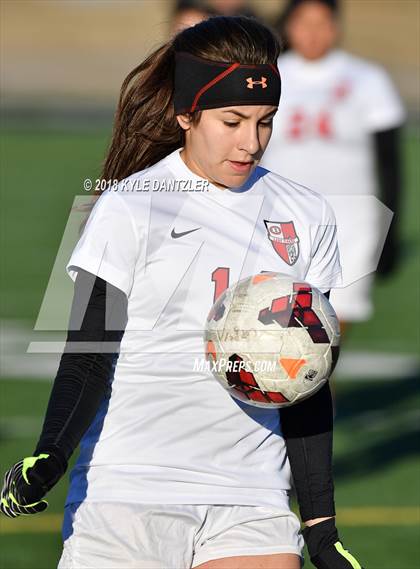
{"x":376,"y":365}
{"x":23,"y":427}
{"x":19,"y":426}
{"x":24,"y":357}
{"x":15,"y":337}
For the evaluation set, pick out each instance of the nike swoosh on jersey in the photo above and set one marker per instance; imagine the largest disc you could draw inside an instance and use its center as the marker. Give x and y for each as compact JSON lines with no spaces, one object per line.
{"x":177,"y":235}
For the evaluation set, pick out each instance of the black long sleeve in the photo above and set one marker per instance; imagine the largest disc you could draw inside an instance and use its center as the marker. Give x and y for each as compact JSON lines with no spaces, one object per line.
{"x":388,"y":165}
{"x":308,"y":430}
{"x":97,"y":322}
{"x":308,"y":426}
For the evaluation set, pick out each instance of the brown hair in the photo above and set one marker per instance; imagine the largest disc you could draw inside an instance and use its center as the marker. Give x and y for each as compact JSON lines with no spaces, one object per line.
{"x":145,"y":128}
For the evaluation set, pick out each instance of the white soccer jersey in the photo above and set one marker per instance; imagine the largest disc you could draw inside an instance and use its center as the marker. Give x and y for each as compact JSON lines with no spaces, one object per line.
{"x":327,"y":112}
{"x":170,"y":433}
{"x":322,"y":138}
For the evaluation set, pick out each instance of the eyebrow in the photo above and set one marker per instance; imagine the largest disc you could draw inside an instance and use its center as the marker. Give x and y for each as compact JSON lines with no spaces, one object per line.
{"x":247,"y":116}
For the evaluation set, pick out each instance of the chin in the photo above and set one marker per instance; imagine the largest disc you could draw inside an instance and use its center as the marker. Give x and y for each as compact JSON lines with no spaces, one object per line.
{"x":237,"y":181}
{"x":315,"y":52}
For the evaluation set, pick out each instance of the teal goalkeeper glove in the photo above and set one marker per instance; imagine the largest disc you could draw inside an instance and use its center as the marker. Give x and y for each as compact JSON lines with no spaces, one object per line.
{"x":325,"y":548}
{"x":27,"y":482}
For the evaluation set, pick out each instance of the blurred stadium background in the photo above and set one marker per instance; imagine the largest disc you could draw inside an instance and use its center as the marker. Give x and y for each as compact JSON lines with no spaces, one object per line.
{"x":62,"y":63}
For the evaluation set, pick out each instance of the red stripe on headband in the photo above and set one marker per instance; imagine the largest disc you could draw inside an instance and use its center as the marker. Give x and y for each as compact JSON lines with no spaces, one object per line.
{"x":275,"y":69}
{"x":211,"y":83}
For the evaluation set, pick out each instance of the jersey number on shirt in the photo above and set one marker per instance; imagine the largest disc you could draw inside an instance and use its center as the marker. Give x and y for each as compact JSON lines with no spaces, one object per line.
{"x":220,"y":277}
{"x":303,"y":125}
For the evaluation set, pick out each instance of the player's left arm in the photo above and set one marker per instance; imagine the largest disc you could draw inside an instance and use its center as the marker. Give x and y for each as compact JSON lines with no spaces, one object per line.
{"x":308,"y":431}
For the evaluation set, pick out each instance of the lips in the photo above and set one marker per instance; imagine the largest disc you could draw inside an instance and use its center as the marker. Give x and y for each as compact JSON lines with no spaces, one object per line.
{"x":240,"y":166}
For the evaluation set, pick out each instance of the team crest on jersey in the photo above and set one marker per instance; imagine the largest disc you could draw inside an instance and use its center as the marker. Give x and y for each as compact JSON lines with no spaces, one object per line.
{"x":282,"y":235}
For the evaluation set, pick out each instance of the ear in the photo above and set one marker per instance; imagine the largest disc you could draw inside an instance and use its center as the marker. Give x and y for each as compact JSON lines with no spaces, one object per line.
{"x":184,"y":121}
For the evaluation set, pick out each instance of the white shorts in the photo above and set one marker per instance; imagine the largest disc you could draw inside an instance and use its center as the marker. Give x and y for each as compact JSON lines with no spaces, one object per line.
{"x":174,"y":536}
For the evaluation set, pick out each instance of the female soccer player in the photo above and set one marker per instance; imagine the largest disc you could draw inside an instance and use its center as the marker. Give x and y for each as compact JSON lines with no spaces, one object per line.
{"x":337,"y":131}
{"x":173,"y":472}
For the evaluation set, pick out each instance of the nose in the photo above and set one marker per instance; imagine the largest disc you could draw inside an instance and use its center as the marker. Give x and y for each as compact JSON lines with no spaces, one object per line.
{"x":249,"y":141}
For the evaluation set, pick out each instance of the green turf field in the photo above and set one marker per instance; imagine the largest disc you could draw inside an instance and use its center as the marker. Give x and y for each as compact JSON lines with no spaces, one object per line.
{"x":377,"y":464}
{"x":375,"y":461}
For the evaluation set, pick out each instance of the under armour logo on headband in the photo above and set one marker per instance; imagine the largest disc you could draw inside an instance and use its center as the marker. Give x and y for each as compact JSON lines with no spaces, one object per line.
{"x":202,"y":84}
{"x":251,"y":82}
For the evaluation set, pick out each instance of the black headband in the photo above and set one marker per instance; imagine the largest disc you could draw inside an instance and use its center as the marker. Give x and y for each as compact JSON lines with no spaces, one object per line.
{"x":202,"y":84}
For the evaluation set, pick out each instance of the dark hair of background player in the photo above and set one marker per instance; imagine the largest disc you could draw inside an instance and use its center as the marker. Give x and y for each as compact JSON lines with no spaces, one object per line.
{"x":281,"y":23}
{"x":145,"y":128}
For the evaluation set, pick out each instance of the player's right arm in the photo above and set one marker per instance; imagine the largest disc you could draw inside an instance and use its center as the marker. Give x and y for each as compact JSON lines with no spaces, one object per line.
{"x":82,"y":381}
{"x":383,"y":116}
{"x":102,"y":266}
{"x":387,"y":145}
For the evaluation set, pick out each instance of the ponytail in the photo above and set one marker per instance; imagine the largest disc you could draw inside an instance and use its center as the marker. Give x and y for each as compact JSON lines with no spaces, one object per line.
{"x":145,"y":129}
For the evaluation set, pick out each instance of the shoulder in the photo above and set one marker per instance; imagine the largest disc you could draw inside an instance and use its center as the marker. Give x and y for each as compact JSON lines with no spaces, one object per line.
{"x":379,"y":99}
{"x":135,"y":190}
{"x":287,"y":58}
{"x":287,"y":63}
{"x":157,"y":171}
{"x":310,"y":201}
{"x":364,"y":70}
{"x":281,"y":185}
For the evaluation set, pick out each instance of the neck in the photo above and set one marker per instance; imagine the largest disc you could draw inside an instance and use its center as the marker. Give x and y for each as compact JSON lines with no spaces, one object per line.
{"x":194,"y":167}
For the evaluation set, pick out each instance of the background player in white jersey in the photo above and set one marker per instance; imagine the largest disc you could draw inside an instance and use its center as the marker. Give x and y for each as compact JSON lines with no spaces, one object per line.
{"x":337,"y":131}
{"x":172,"y":471}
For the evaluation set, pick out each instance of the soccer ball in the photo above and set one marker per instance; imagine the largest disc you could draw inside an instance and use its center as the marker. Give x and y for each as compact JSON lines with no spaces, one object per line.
{"x":271,"y":340}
